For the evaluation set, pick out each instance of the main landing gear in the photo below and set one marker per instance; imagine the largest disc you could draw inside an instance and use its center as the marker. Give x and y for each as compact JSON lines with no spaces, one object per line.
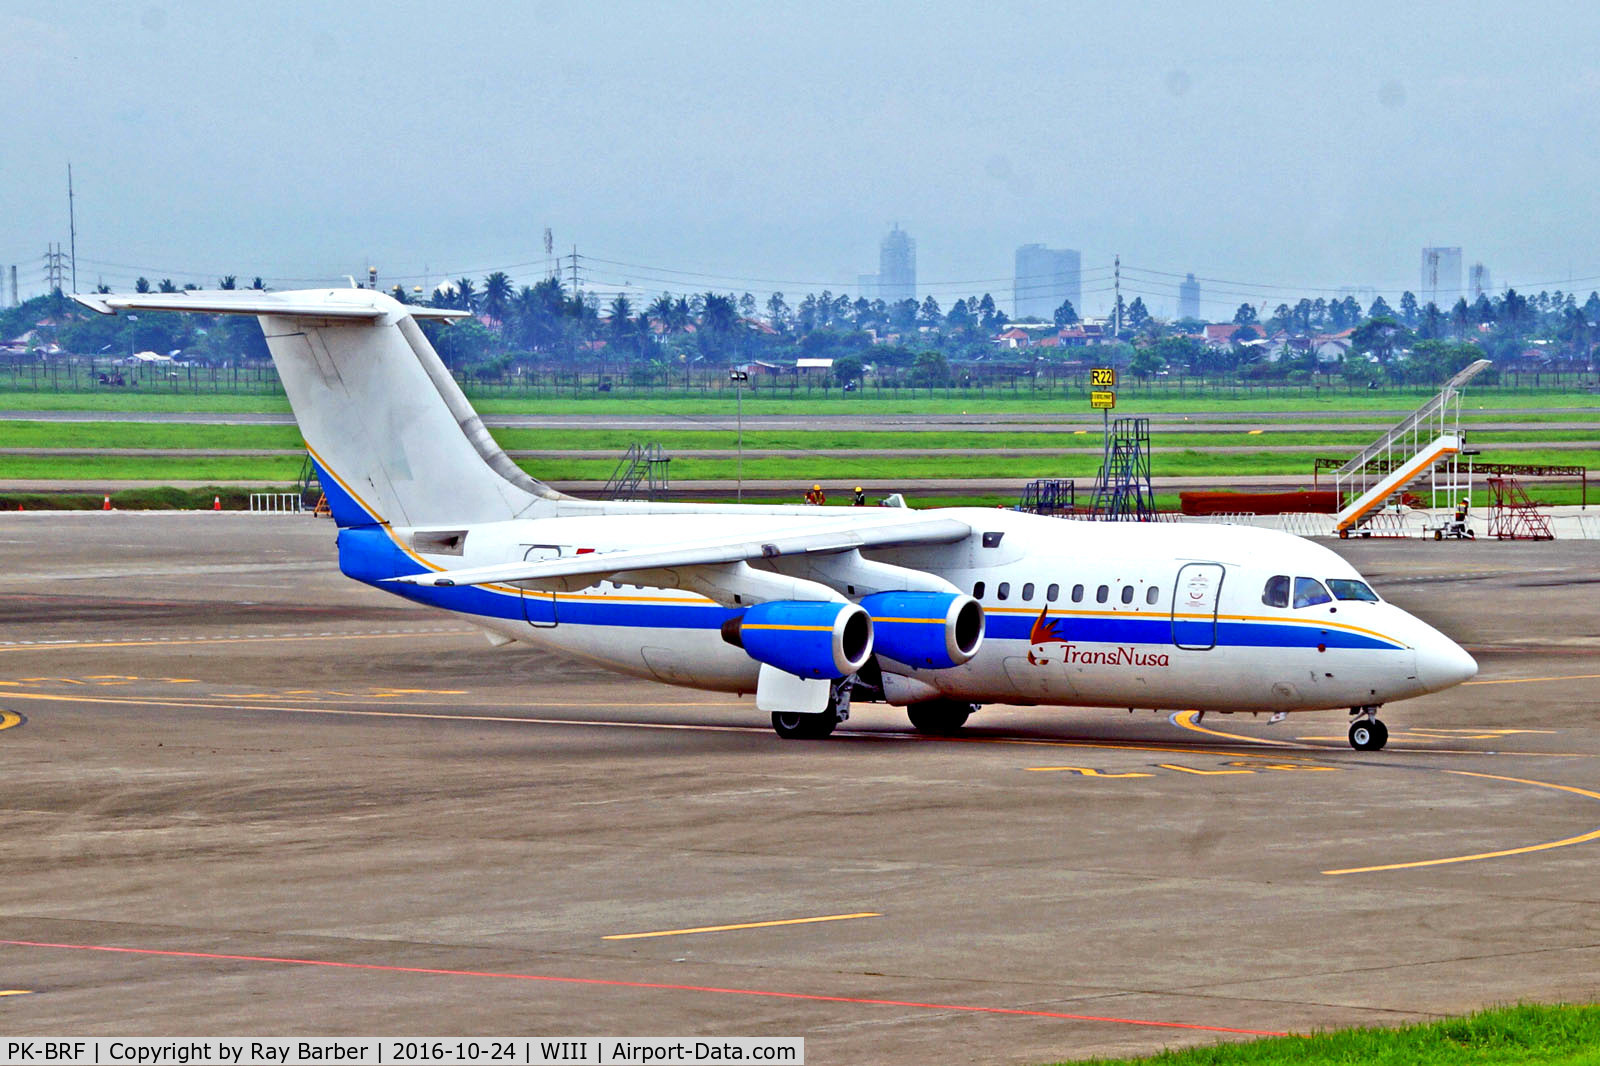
{"x":940,"y":717}
{"x":793,"y":725}
{"x":1366,"y":732}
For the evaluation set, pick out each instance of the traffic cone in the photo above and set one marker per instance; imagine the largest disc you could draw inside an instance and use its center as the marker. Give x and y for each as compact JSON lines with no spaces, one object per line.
{"x":216,"y":503}
{"x":106,"y":506}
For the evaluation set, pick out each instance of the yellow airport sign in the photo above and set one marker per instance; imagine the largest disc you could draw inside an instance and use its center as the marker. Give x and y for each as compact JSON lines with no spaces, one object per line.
{"x":1102,"y":398}
{"x":1103,"y":377}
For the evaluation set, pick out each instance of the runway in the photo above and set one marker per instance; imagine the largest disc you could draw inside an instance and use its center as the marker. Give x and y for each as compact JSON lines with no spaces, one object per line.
{"x":244,"y":795}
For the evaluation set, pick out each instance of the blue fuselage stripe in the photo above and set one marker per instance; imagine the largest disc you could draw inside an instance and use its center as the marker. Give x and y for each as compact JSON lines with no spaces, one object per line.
{"x":369,"y":554}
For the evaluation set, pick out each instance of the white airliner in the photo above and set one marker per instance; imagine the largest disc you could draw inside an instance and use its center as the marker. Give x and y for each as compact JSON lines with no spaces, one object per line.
{"x":937,"y":611}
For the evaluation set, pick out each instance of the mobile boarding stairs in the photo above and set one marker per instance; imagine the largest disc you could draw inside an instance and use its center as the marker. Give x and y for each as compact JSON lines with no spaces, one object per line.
{"x":1428,"y":442}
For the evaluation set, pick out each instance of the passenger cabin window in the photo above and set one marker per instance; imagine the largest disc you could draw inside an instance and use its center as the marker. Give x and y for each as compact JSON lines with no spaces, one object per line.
{"x":977,"y":591}
{"x":1052,"y":593}
{"x":1077,"y":594}
{"x":1308,"y":592}
{"x":1276,"y":594}
{"x":1345,"y":589}
{"x":1127,"y":594}
{"x":1102,"y":594}
{"x":1027,"y":592}
{"x":1151,"y":595}
{"x":1003,"y":590}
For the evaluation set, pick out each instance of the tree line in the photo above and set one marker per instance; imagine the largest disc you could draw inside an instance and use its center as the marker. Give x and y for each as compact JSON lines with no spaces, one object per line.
{"x":546,"y":324}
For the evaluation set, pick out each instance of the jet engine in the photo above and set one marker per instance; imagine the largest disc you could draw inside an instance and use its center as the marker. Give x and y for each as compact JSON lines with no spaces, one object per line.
{"x":931,"y":630}
{"x":807,"y":638}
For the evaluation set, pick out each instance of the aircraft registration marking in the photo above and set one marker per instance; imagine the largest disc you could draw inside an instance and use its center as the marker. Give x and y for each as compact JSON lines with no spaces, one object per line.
{"x":744,"y":925}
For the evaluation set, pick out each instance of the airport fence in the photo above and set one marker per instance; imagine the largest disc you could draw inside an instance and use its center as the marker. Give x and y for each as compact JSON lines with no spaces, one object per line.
{"x":36,"y":372}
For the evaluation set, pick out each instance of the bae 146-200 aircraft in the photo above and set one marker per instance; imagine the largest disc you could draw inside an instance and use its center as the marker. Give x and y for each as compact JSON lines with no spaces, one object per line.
{"x":938,"y":611}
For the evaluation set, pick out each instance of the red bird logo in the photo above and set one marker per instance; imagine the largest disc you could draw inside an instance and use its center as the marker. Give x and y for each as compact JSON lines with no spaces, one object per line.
{"x":1044,"y":632}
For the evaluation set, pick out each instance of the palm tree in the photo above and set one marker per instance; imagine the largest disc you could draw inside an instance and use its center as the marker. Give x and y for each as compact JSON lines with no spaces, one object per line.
{"x":719,"y":323}
{"x":496,"y":295}
{"x":659,"y":311}
{"x":467,"y":298}
{"x":230,"y":281}
{"x":621,"y":322}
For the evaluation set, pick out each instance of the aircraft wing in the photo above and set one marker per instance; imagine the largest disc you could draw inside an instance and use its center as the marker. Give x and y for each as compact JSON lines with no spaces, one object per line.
{"x":794,"y":540}
{"x":351,"y":304}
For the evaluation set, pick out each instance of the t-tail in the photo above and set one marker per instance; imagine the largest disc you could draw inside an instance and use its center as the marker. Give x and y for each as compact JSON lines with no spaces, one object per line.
{"x":393,"y":438}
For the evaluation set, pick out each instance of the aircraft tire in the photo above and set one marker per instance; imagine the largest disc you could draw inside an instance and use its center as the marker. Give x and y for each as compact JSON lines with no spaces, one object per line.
{"x":939,"y":717}
{"x":1368,"y":735}
{"x":791,"y":725}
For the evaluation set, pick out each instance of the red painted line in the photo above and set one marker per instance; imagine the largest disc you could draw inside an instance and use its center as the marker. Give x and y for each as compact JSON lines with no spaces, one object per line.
{"x":641,"y":984}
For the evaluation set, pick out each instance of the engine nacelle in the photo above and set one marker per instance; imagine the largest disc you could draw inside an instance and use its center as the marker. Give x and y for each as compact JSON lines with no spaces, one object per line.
{"x":807,"y":638}
{"x":929,"y":630}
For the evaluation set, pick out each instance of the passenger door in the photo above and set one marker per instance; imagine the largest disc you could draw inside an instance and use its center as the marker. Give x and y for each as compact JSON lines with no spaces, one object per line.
{"x":539,"y":608}
{"x":1195,"y":596}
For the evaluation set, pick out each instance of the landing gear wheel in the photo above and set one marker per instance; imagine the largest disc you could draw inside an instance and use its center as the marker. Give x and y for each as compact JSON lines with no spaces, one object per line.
{"x":1368,"y":735}
{"x":791,"y":725}
{"x":939,"y":717}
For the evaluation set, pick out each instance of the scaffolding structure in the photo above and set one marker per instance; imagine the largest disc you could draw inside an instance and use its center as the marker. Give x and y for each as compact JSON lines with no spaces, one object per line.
{"x":644,"y":466}
{"x":312,"y":497}
{"x":1428,"y":442}
{"x":1050,"y":496}
{"x":1122,"y":492}
{"x":1512,"y":515}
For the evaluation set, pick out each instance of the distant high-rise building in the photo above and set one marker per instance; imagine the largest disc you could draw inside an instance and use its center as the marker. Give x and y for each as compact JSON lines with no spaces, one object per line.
{"x":897,"y":267}
{"x":1478,"y":282}
{"x":1441,"y":277}
{"x":1045,"y":277}
{"x":1189,"y":298}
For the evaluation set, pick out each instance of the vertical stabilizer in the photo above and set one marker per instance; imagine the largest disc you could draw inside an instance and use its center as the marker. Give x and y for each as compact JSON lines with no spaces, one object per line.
{"x":392,"y":435}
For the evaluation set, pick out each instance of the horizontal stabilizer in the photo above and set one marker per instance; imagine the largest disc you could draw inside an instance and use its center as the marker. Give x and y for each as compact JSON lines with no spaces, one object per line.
{"x":350,"y":304}
{"x":810,"y":537}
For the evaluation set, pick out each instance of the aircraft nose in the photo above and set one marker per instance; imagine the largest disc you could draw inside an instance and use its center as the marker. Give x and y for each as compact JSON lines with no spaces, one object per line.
{"x":1442,"y":663}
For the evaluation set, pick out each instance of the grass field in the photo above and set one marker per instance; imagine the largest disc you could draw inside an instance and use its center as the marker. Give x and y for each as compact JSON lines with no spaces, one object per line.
{"x":1131,"y":400}
{"x":814,"y":454}
{"x":799,"y":468}
{"x":1525,"y":1035}
{"x":30,"y":434}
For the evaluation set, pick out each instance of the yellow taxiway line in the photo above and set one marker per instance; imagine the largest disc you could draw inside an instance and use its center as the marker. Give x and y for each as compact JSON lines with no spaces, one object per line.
{"x":9,"y":719}
{"x":1564,"y":843}
{"x":74,"y":645}
{"x":744,"y":925}
{"x":1190,"y":720}
{"x":16,"y":992}
{"x":1531,"y":680}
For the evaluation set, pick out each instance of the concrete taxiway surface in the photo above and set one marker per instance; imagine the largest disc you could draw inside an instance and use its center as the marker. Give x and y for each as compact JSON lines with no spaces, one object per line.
{"x":243,"y":795}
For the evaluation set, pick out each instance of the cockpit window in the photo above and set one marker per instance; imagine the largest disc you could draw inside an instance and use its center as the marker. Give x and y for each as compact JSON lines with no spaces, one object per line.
{"x":1276,"y":594}
{"x":1346,"y":589}
{"x":1308,"y":592}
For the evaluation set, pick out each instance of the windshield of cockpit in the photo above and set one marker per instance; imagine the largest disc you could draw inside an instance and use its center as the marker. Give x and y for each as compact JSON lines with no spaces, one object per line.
{"x":1283,"y":590}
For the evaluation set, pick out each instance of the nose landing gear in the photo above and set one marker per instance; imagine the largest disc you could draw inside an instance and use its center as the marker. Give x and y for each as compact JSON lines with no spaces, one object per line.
{"x":1366,"y":732}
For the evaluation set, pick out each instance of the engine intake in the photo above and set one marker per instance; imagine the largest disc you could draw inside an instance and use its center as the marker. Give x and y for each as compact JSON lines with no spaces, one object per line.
{"x":804,"y":637}
{"x":932,"y":630}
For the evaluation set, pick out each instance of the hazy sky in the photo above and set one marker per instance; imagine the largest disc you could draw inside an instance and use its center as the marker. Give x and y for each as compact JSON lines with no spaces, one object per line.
{"x":770,"y":146}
